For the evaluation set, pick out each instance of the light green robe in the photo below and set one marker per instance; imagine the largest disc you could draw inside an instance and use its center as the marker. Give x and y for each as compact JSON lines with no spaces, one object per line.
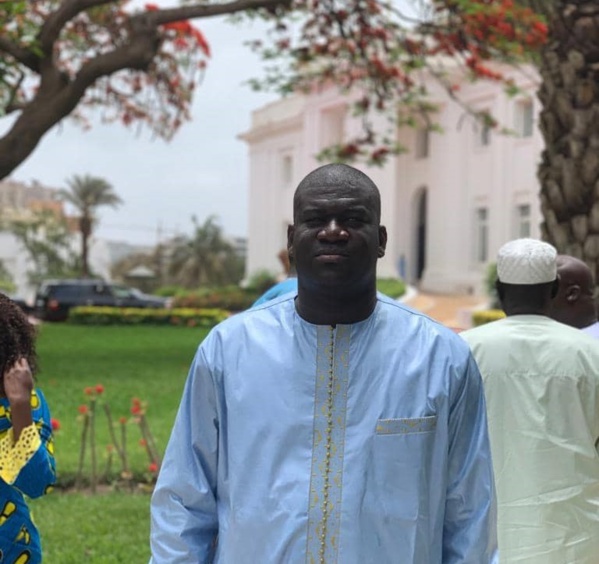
{"x":541,"y":382}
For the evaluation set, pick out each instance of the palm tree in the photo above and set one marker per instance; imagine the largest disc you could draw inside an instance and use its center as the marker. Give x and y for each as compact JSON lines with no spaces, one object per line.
{"x":86,"y":194}
{"x":205,"y":258}
{"x":569,"y":123}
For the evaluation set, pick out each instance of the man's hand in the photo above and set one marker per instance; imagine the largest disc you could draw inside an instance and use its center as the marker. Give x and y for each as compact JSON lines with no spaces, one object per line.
{"x":18,"y":382}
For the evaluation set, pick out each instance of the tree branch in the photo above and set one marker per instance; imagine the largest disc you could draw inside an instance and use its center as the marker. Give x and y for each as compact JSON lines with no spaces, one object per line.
{"x":57,"y":20}
{"x":137,"y":54}
{"x":21,"y":55}
{"x":210,"y":10}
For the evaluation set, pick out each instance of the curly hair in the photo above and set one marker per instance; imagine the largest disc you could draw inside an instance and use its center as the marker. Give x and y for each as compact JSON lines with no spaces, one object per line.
{"x":17,"y":336}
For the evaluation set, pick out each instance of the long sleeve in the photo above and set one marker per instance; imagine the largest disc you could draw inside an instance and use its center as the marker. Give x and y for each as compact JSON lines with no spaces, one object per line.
{"x":184,"y":520}
{"x":470,"y":529}
{"x":29,"y":463}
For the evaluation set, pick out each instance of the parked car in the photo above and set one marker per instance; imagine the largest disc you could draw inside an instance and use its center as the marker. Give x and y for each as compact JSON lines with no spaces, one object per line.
{"x":55,"y":298}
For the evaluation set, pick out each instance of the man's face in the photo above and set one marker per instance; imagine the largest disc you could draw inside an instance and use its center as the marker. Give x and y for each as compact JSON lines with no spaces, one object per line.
{"x":336,"y":238}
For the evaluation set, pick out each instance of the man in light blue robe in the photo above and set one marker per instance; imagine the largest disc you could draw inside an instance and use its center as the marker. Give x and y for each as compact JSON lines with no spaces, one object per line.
{"x":331,"y":426}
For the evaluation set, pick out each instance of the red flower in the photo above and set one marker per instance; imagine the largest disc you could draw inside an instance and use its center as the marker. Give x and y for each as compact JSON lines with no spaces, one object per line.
{"x":99,"y":388}
{"x":88,"y":391}
{"x":183,"y":27}
{"x":180,"y":43}
{"x":201,"y":41}
{"x":153,"y":467}
{"x":123,"y":420}
{"x":142,"y":442}
{"x":83,"y":409}
{"x":135,"y":401}
{"x":135,"y":409}
{"x":55,"y":424}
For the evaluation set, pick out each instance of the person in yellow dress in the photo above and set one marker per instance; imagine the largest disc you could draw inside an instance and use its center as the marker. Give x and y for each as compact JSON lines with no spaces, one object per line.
{"x":27,"y":466}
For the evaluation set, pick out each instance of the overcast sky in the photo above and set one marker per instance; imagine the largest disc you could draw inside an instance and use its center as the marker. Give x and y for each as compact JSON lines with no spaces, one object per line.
{"x":202,"y":171}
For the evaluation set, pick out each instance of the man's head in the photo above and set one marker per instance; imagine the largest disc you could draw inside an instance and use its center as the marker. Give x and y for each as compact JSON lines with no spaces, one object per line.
{"x":574,"y":304}
{"x":526,"y":276}
{"x":336,"y":237}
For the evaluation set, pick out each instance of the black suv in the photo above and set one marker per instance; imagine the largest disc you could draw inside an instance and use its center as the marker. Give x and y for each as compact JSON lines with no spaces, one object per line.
{"x":55,"y":298}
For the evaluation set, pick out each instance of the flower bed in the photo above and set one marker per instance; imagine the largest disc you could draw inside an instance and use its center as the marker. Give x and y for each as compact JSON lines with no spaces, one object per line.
{"x":185,"y":317}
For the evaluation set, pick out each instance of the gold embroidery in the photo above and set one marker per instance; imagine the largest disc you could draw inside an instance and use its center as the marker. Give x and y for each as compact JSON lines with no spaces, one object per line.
{"x":326,"y":480}
{"x":406,"y":426}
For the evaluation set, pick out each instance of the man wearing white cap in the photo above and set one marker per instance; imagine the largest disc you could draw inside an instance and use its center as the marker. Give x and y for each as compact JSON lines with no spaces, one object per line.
{"x":541,"y":383}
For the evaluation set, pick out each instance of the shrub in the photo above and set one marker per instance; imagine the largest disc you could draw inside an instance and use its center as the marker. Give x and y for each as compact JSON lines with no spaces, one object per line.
{"x":486,"y":316}
{"x":141,"y":316}
{"x":261,"y":281}
{"x":169,"y":291}
{"x":392,"y":287}
{"x":231,"y":298}
{"x":490,"y":279}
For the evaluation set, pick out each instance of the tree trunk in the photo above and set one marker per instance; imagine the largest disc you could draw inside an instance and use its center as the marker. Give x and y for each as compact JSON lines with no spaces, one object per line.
{"x":85,"y":228}
{"x":569,"y":169}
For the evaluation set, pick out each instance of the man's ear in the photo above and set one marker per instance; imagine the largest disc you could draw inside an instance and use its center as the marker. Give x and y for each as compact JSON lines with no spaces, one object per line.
{"x":382,"y":241}
{"x":572,"y":293}
{"x":290,"y":232}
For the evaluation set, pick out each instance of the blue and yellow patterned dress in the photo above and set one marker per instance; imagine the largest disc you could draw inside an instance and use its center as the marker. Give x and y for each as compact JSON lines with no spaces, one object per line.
{"x":26,"y":468}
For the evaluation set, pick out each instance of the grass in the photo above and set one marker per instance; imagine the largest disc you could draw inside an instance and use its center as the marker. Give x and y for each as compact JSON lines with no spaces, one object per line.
{"x":146,"y":362}
{"x":111,"y":528}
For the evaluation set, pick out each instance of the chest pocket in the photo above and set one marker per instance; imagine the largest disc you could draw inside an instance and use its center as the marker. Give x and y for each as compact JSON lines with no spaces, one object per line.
{"x":406,"y":426}
{"x":401,"y":464}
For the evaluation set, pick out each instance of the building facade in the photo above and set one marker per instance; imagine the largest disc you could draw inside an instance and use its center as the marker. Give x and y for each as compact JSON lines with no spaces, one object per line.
{"x":449,"y":202}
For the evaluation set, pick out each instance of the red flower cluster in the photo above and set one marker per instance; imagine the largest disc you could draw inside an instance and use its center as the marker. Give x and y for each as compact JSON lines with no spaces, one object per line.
{"x":98,"y":389}
{"x":186,"y":35}
{"x":136,"y":406}
{"x":55,"y":423}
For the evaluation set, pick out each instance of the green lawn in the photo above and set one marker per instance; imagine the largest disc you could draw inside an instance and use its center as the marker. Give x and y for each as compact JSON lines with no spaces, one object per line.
{"x":150,"y":363}
{"x":102,"y":529}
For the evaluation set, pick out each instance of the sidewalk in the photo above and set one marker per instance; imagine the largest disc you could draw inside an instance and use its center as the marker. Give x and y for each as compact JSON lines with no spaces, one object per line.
{"x":451,"y":310}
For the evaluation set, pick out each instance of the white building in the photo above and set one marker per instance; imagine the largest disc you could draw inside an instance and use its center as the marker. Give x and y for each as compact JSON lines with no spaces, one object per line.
{"x":448,"y":203}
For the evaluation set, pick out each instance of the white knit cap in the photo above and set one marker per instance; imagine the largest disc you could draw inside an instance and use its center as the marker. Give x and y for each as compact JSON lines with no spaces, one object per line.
{"x":526,"y":261}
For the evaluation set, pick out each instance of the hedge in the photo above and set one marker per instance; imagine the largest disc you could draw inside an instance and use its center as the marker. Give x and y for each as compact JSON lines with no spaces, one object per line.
{"x":486,"y":316}
{"x":185,"y":317}
{"x":232,"y":299}
{"x":392,"y":287}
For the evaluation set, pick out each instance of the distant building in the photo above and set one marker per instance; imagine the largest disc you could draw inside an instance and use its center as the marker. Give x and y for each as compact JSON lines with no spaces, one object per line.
{"x":240,"y":244}
{"x":19,"y":201}
{"x":449,"y":202}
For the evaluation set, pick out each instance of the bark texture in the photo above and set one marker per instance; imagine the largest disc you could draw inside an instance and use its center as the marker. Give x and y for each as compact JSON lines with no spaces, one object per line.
{"x":569,"y":169}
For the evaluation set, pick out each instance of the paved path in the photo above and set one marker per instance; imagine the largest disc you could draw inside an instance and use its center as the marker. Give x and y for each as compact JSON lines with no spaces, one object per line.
{"x":447,"y":309}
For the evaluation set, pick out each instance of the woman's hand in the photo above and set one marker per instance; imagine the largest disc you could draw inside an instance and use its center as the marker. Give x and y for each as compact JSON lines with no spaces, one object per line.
{"x":18,"y":382}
